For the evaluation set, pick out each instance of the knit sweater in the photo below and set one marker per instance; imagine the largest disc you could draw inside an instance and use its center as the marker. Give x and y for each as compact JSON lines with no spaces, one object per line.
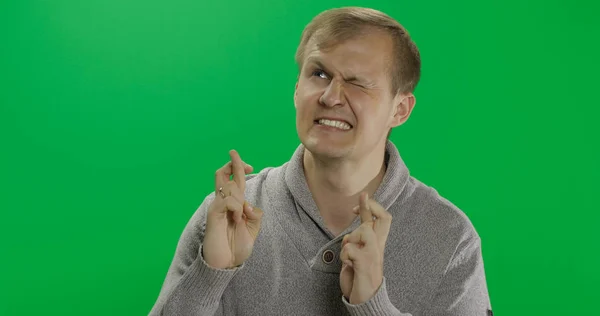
{"x":433,"y":263}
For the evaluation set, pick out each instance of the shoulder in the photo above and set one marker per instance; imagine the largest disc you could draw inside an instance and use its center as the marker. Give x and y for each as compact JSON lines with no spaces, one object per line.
{"x":434,"y":215}
{"x":266,"y":179}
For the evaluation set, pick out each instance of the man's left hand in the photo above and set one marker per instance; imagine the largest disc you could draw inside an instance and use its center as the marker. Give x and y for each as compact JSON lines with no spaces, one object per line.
{"x":362,"y":252}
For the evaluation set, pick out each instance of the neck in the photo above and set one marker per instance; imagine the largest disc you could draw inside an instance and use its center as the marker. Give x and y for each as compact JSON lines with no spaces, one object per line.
{"x":336,"y":184}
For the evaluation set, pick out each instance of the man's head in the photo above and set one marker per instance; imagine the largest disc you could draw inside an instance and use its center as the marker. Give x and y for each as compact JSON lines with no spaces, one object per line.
{"x":358,"y":66}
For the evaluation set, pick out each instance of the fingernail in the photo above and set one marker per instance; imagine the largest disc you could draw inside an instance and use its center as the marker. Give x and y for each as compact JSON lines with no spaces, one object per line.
{"x":250,"y":208}
{"x":355,"y":209}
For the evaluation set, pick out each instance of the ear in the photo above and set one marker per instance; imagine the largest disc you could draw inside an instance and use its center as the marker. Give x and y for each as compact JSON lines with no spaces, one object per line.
{"x":404,"y":105}
{"x":295,"y":93}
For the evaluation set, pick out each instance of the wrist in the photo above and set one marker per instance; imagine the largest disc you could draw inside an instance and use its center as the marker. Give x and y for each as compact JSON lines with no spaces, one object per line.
{"x":365,"y":295}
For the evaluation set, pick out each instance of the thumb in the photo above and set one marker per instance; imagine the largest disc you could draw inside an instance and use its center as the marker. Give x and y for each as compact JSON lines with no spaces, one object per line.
{"x":253,"y":219}
{"x":253,"y":213}
{"x":248,"y":168}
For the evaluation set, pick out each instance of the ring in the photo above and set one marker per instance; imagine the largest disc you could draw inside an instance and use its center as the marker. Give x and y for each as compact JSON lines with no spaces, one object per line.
{"x":221,"y":192}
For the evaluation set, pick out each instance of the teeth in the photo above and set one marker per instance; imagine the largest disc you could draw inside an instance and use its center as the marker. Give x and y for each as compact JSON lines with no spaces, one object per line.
{"x":337,"y":124}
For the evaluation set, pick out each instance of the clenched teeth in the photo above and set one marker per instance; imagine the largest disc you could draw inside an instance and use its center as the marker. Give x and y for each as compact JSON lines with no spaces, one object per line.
{"x":337,"y":124}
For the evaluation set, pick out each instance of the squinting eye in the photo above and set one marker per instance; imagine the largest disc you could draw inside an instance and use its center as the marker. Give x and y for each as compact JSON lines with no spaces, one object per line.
{"x":320,"y":73}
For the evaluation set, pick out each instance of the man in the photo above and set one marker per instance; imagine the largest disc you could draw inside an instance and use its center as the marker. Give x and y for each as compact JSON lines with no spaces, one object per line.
{"x":342,"y":228}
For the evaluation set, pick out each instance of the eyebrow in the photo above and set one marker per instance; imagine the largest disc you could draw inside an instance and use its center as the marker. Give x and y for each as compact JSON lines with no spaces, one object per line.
{"x":347,"y":79}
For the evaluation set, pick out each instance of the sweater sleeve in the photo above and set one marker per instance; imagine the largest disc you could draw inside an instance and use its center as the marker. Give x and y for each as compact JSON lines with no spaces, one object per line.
{"x":463,"y":289}
{"x":379,"y":305}
{"x":191,"y":287}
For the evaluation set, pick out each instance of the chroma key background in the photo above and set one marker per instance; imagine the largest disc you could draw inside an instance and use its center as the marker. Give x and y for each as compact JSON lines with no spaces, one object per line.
{"x":114,"y":116}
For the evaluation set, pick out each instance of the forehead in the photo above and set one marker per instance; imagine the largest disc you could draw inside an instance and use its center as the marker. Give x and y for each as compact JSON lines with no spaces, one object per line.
{"x":368,"y":53}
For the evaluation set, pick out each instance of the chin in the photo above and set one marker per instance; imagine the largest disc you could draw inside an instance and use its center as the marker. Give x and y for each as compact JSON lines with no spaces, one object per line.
{"x":326,"y":148}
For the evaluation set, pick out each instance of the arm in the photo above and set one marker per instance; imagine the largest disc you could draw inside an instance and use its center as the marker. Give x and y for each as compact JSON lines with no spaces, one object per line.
{"x":191,"y":286}
{"x":213,"y":247}
{"x":463,"y":289}
{"x":379,"y":304}
{"x":362,"y":282}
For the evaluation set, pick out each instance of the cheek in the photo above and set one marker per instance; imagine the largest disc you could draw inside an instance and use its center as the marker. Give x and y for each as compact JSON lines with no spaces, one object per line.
{"x":309,"y":88}
{"x":304,"y":110}
{"x":306,"y":100}
{"x":370,"y":112}
{"x":361,"y":104}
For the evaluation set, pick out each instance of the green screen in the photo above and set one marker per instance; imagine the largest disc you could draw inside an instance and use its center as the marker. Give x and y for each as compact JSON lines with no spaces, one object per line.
{"x":115,"y":114}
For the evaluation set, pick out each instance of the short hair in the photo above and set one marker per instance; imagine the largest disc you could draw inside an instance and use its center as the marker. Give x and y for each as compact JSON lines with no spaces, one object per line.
{"x":334,"y":26}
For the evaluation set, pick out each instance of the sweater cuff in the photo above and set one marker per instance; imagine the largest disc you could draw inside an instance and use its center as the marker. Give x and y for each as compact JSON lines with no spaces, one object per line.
{"x":206,"y":282}
{"x":379,"y":305}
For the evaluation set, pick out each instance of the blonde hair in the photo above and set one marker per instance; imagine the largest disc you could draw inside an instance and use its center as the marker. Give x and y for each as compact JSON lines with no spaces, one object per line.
{"x":335,"y":26}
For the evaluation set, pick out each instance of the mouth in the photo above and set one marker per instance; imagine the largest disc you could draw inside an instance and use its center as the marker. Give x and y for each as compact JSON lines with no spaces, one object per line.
{"x":336,"y":124}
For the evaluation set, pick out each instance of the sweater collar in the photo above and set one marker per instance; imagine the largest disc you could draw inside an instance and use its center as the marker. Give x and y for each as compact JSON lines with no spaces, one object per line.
{"x":394,"y":181}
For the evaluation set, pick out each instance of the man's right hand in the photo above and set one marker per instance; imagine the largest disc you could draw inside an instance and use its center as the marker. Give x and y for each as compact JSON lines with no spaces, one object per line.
{"x":232,"y":224}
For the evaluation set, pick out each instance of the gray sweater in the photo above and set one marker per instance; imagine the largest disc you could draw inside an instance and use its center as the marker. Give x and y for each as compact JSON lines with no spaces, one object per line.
{"x":432,"y":265}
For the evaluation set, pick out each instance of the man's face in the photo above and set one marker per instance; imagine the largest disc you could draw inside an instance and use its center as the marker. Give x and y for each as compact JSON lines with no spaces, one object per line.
{"x":347,"y":86}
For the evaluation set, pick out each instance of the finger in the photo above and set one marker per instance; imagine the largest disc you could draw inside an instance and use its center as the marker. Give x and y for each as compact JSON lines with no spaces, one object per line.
{"x":235,"y":207}
{"x":349,"y":253}
{"x":252,"y":213}
{"x":354,"y":237}
{"x":249,"y":211}
{"x":239,"y":174}
{"x":231,"y":189}
{"x":222,"y":176}
{"x":364,"y":209}
{"x":383,"y":221}
{"x":362,"y":236}
{"x":349,"y":272}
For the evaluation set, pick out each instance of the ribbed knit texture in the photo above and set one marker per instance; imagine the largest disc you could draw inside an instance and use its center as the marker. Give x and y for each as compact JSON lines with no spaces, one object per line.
{"x":432,"y":264}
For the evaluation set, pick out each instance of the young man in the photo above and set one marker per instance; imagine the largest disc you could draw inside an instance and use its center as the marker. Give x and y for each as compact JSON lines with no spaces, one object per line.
{"x":342,"y":228}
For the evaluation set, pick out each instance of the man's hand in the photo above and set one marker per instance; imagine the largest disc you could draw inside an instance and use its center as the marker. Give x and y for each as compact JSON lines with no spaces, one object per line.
{"x":362,"y":252}
{"x":232,"y":225}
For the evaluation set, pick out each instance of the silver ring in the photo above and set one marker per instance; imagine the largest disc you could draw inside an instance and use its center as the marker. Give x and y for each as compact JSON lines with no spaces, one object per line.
{"x":221,"y":192}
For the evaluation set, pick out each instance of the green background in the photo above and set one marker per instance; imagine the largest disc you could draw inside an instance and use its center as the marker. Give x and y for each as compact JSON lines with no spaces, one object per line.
{"x":115,"y":114}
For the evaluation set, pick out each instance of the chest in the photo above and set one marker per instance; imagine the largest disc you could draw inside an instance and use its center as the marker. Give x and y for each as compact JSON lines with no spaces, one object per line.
{"x":287,"y":275}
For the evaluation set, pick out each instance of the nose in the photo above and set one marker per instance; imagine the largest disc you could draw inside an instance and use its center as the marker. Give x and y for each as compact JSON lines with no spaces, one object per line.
{"x":333,"y":95}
